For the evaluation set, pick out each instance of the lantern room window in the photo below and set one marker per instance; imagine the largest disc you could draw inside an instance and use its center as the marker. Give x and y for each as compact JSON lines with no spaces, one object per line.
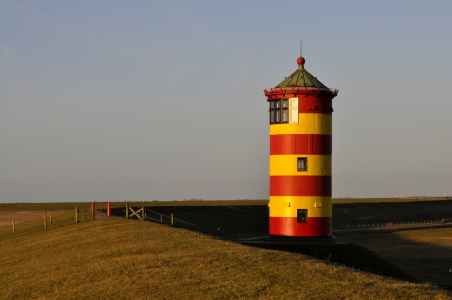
{"x":283,"y":111}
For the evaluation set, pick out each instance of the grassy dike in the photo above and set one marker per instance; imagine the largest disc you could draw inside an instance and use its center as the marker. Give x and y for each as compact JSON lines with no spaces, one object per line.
{"x":128,"y":259}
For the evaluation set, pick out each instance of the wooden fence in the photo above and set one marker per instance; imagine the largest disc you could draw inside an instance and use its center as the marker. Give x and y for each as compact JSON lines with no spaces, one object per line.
{"x":143,"y":214}
{"x":81,"y":215}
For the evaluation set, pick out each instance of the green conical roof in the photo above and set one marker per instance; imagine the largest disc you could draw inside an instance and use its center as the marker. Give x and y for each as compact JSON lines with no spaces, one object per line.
{"x":301,"y":78}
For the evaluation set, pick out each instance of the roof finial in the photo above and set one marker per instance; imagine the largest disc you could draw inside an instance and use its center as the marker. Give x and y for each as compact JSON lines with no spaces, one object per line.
{"x":300,"y":60}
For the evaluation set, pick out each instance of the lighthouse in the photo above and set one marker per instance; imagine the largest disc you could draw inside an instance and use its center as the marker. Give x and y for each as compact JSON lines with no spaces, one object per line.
{"x":300,"y":116}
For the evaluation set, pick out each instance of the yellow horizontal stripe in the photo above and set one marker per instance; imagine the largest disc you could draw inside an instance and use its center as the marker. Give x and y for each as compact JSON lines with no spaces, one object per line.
{"x":286,"y":206}
{"x":307,"y":124}
{"x":318,"y":165}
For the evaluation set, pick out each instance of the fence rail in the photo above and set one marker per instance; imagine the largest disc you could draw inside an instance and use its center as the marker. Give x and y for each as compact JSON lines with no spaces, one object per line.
{"x":391,"y":224}
{"x":154,"y":216}
{"x":48,"y":220}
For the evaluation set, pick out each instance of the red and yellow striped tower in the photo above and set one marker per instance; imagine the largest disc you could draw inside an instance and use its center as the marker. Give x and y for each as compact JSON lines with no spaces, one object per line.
{"x":300,"y":157}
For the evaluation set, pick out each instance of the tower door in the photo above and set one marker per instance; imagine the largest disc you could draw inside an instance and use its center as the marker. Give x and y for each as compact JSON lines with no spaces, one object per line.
{"x":302,"y":216}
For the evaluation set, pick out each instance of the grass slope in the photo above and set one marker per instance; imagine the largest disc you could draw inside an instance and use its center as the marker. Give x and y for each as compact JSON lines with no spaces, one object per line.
{"x":127,"y":259}
{"x":239,"y":221}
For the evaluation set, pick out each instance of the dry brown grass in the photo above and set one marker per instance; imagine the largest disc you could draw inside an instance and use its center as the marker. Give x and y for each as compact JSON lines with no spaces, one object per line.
{"x":126,"y":259}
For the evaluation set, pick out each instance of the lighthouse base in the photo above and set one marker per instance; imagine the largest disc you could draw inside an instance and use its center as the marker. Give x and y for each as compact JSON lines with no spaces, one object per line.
{"x":289,"y":240}
{"x":290,"y":227}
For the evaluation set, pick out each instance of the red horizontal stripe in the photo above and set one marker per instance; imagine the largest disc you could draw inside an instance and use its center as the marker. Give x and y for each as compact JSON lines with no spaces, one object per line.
{"x":300,"y":185}
{"x":313,"y":104}
{"x":317,"y":144}
{"x":316,"y":226}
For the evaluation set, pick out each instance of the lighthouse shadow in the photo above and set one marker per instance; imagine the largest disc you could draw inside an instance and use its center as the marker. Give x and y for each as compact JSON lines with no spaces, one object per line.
{"x":425,"y":254}
{"x":347,"y":254}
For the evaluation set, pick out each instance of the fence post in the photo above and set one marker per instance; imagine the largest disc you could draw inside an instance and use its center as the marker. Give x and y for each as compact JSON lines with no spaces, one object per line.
{"x":50,"y":217}
{"x":93,"y":207}
{"x":172,"y":219}
{"x":12,"y":222}
{"x":76,"y":214}
{"x":218,"y":231}
{"x":161,"y":218}
{"x":127,"y":210}
{"x":45,"y":223}
{"x":143,"y":214}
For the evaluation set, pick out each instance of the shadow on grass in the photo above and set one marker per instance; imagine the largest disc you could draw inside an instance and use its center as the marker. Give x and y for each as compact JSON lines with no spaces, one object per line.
{"x":424,"y":253}
{"x":227,"y":222}
{"x":350,"y":255}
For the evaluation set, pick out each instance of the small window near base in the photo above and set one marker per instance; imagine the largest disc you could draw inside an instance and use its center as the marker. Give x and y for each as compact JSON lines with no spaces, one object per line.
{"x":302,"y":164}
{"x":302,"y":216}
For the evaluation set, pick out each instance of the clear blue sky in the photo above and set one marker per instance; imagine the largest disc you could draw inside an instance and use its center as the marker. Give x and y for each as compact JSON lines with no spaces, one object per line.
{"x":140,"y":100}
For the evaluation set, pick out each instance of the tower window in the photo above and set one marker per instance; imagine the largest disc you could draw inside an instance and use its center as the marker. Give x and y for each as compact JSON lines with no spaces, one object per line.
{"x":283,"y":111}
{"x":279,"y":111}
{"x":302,"y":164}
